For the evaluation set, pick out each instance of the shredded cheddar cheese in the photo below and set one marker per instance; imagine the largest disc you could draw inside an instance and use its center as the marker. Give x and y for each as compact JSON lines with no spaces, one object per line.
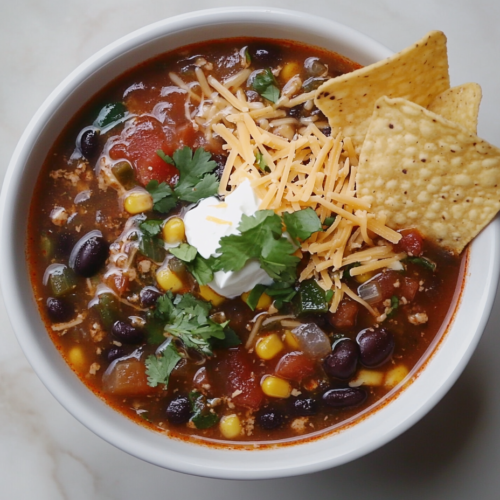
{"x":309,"y":169}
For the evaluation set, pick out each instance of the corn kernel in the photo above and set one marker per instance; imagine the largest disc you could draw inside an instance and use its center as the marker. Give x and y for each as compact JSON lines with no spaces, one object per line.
{"x":289,"y":70}
{"x":395,"y":376}
{"x":230,"y":426}
{"x":137,"y":202}
{"x":362,"y":278}
{"x":264,"y":301}
{"x":76,"y":357}
{"x":208,"y":294}
{"x":276,"y":387}
{"x":174,"y":231}
{"x":291,"y":340}
{"x":168,"y":280}
{"x":367,"y":377}
{"x":269,"y":346}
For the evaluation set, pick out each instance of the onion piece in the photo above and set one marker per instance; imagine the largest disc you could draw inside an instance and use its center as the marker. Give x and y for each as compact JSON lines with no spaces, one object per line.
{"x":370,"y":292}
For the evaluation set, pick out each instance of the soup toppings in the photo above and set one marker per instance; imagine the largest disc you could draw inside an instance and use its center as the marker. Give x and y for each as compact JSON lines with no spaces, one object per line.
{"x":256,"y":240}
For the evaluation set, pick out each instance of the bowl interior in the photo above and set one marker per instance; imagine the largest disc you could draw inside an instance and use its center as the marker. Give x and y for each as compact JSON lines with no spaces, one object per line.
{"x":443,"y":369}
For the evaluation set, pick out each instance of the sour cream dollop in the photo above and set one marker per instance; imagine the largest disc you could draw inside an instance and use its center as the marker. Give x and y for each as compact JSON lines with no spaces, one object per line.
{"x":212,"y":219}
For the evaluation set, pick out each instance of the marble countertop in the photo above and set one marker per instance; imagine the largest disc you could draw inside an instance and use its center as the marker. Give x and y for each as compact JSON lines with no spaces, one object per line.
{"x":45,"y":454}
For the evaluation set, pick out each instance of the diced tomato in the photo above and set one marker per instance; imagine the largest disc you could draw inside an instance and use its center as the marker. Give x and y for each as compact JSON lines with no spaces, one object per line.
{"x":391,"y":283}
{"x":294,"y":366}
{"x":345,"y":316}
{"x":140,"y":142}
{"x":128,"y":378}
{"x":241,"y":377}
{"x":409,"y":288}
{"x":118,"y":282}
{"x":411,"y":243}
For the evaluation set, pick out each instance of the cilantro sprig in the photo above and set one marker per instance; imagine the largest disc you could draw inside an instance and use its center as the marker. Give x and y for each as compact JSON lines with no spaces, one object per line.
{"x":150,"y":244}
{"x":198,"y":266}
{"x":159,"y":368}
{"x":187,"y":318}
{"x":266,"y":85}
{"x":196,"y":179}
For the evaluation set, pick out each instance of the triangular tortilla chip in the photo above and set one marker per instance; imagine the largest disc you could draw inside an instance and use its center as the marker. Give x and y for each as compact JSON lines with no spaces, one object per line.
{"x":459,"y":104}
{"x":418,"y":73}
{"x":423,"y":171}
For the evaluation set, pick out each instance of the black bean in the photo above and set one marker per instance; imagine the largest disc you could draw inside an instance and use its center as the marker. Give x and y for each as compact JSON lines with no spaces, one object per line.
{"x":296,"y":111}
{"x":59,"y":310}
{"x":270,"y":418}
{"x":343,"y":360}
{"x":265,"y":55}
{"x":114,"y":353}
{"x":303,"y":406}
{"x":149,"y":296}
{"x":179,"y":410}
{"x":89,"y":254}
{"x":344,"y":398}
{"x":126,"y":333}
{"x":376,"y":346}
{"x":89,"y":143}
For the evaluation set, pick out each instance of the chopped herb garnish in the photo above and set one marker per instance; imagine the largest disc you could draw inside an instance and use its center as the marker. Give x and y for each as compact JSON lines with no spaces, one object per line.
{"x":186,"y":317}
{"x":347,"y":269}
{"x":282,"y":293}
{"x":422,"y":261}
{"x":394,"y":306}
{"x":150,"y":244}
{"x":110,"y":113}
{"x":203,"y":418}
{"x":198,"y":266}
{"x":255,"y":295}
{"x":159,"y":368}
{"x":163,"y":196}
{"x":329,"y":295}
{"x":301,"y":224}
{"x":164,"y":157}
{"x":261,"y":162}
{"x":329,"y":221}
{"x":196,"y":179}
{"x":265,"y":84}
{"x":261,"y":238}
{"x":184,"y":252}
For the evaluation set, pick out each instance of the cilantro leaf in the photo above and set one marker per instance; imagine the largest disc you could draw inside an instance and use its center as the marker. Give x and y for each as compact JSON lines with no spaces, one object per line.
{"x":422,"y":261}
{"x":152,"y":247}
{"x":158,"y":369}
{"x":264,"y":83}
{"x":394,"y":306}
{"x":302,"y":223}
{"x":195,"y":263}
{"x":272,"y":93}
{"x":196,"y":180}
{"x":329,"y":221}
{"x":165,"y":157}
{"x":230,"y":339}
{"x":255,"y":295}
{"x":163,"y":196}
{"x":202,"y":417}
{"x":347,"y":269}
{"x":184,"y":252}
{"x":201,"y":270}
{"x":260,"y":238}
{"x":278,"y":259}
{"x":151,"y":227}
{"x":237,"y":249}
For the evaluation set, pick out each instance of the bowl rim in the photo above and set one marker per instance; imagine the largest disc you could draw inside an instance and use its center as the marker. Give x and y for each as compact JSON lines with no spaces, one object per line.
{"x":195,"y":459}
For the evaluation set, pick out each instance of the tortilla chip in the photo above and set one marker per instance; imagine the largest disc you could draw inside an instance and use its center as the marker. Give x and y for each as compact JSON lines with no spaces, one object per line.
{"x":459,"y":104}
{"x":423,"y":171}
{"x":418,"y":73}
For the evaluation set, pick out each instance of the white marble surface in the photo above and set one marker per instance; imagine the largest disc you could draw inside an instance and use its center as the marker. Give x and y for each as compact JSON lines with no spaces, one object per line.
{"x":45,"y":454}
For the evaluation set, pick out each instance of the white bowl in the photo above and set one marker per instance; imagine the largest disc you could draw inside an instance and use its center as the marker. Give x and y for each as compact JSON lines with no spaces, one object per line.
{"x":439,"y":373}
